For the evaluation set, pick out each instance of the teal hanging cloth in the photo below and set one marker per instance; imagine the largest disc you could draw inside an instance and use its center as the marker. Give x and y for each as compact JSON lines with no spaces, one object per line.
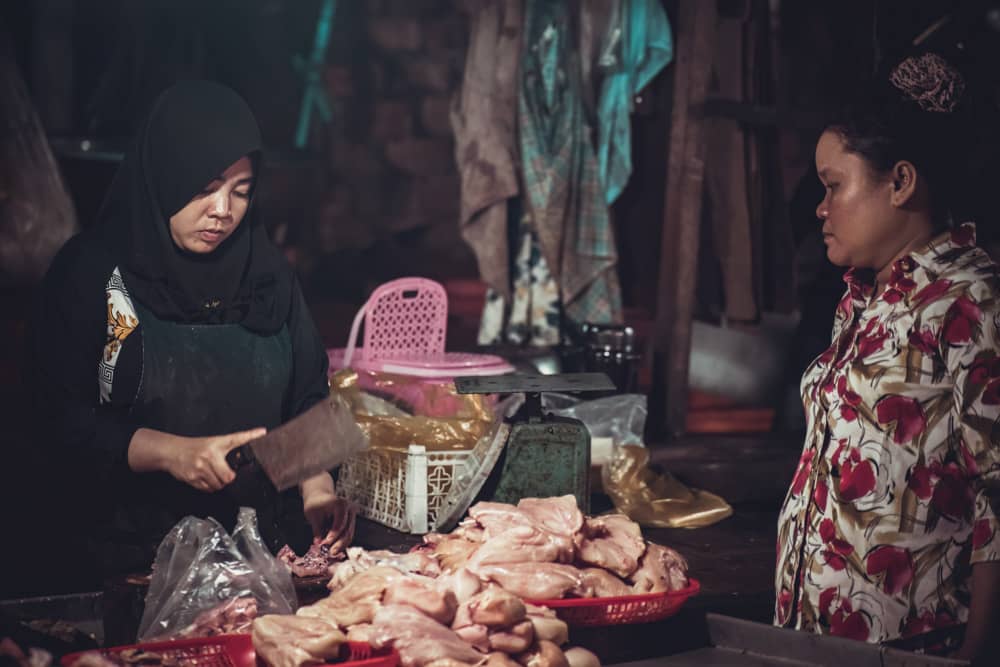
{"x":638,"y":45}
{"x":564,"y":197}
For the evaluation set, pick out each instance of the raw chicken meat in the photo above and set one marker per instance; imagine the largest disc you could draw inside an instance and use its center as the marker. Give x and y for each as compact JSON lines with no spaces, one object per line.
{"x":231,"y":617}
{"x":522,"y":544}
{"x":359,"y":560}
{"x":498,"y":659}
{"x":534,"y":581}
{"x":556,"y":515}
{"x":420,"y":640}
{"x":598,"y":583}
{"x":423,"y":595}
{"x":360,"y":633}
{"x":293,"y":641}
{"x":547,"y":625}
{"x":543,"y":654}
{"x":513,"y":640}
{"x":477,"y":636}
{"x":462,"y":583}
{"x":661,"y":569}
{"x":581,"y":657}
{"x":497,"y":518}
{"x":493,"y":607}
{"x":451,"y":551}
{"x":357,"y":600}
{"x":612,"y":542}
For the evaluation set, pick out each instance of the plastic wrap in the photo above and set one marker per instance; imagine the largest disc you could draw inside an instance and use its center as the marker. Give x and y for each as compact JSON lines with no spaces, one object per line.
{"x":420,"y":397}
{"x":207,"y":582}
{"x":654,"y":498}
{"x":621,"y":417}
{"x":395,"y":412}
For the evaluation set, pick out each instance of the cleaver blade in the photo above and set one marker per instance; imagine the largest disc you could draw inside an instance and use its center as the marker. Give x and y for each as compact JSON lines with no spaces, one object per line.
{"x":318,"y":440}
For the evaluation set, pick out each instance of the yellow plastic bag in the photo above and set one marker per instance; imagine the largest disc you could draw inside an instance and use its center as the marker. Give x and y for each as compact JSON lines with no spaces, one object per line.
{"x":657,"y":499}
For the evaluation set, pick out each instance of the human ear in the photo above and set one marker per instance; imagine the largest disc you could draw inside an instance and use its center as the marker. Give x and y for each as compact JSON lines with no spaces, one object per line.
{"x":904,"y":183}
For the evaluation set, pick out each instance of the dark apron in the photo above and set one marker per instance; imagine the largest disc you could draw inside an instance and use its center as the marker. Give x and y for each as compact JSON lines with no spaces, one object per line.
{"x":197,"y":380}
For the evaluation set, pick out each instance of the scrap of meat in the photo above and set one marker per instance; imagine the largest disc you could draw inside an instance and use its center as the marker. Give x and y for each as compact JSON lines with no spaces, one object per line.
{"x":613,"y":542}
{"x":231,"y":617}
{"x":560,"y":516}
{"x":92,"y":659}
{"x":598,"y":583}
{"x":419,"y":639}
{"x":423,"y":595}
{"x":356,"y":601}
{"x":315,"y":562}
{"x":130,"y":657}
{"x":35,"y":657}
{"x":661,"y":569}
{"x":294,"y":641}
{"x":534,"y":581}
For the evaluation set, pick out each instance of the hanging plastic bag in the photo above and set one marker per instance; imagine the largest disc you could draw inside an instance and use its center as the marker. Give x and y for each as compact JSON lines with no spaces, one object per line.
{"x":206,"y":582}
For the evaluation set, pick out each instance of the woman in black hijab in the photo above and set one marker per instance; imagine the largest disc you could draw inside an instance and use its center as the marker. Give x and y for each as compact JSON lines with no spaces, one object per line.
{"x":174,"y":331}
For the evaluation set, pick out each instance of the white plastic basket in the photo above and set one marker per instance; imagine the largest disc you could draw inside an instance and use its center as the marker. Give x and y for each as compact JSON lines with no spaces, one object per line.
{"x":419,"y":491}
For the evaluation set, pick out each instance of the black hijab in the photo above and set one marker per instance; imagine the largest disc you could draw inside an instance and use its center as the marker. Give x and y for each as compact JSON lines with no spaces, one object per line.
{"x":194,"y":132}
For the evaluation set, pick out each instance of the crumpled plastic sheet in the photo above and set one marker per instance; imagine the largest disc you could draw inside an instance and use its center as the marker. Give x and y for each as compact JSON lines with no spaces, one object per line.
{"x":645,"y":495}
{"x":654,"y":498}
{"x":394,"y":411}
{"x":200,"y":567}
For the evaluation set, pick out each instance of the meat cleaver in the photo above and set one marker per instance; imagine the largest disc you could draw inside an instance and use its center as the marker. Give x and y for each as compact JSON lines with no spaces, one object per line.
{"x":321,"y":438}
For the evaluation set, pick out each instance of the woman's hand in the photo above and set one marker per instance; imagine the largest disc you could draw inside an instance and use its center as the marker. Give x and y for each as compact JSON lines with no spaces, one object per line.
{"x":198,"y":462}
{"x":331,"y":518}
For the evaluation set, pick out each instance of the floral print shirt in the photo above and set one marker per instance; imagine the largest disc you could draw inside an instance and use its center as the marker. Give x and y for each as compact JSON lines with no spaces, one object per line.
{"x":897,"y":491}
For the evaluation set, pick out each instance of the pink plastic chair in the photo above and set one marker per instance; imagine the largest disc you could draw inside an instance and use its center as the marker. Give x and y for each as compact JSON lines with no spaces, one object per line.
{"x":406,"y":324}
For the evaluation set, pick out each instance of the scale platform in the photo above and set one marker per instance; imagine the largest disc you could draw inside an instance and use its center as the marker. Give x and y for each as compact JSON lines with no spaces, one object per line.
{"x":544,"y":455}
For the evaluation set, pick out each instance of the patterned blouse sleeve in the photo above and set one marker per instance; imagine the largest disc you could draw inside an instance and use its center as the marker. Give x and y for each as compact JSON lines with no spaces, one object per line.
{"x":70,"y":325}
{"x":970,"y":339}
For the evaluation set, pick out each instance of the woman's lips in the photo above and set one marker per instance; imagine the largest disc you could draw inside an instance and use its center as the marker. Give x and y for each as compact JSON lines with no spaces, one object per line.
{"x":211,"y":236}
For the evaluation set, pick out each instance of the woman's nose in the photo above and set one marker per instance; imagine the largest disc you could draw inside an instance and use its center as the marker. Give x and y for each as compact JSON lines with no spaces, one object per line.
{"x":822,"y":210}
{"x":221,"y":207}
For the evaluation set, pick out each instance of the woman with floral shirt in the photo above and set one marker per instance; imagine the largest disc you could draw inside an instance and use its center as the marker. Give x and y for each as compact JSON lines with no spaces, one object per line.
{"x":890,"y":527}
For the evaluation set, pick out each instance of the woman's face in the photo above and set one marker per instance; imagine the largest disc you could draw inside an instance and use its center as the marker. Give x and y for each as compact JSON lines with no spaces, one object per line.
{"x":860,"y":224}
{"x":215,"y":212}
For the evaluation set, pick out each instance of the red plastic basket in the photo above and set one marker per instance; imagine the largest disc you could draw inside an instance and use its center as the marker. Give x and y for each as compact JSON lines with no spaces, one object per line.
{"x":621,"y":610}
{"x":238,"y":651}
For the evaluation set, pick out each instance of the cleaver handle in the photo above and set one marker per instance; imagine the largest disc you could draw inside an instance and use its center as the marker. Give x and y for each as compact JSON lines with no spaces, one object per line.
{"x":240,"y":457}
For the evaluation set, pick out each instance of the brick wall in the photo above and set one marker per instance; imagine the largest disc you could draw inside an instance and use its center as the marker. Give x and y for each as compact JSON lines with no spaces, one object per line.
{"x":391,"y":192}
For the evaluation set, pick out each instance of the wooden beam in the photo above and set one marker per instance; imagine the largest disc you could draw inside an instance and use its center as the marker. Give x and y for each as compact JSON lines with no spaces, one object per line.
{"x":696,"y":26}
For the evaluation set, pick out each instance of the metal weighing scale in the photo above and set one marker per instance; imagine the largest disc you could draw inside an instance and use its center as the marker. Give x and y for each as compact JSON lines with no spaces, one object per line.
{"x":544,"y":455}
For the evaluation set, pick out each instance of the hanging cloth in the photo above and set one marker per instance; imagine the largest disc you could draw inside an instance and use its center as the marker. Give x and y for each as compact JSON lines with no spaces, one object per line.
{"x":637,"y":46}
{"x":563,"y":193}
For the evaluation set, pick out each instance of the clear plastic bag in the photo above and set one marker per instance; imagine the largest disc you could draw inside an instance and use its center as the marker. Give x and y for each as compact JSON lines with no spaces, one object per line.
{"x":207,"y":582}
{"x":621,"y":417}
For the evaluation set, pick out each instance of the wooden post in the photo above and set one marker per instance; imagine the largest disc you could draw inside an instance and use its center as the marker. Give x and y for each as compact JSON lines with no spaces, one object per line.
{"x":696,"y":24}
